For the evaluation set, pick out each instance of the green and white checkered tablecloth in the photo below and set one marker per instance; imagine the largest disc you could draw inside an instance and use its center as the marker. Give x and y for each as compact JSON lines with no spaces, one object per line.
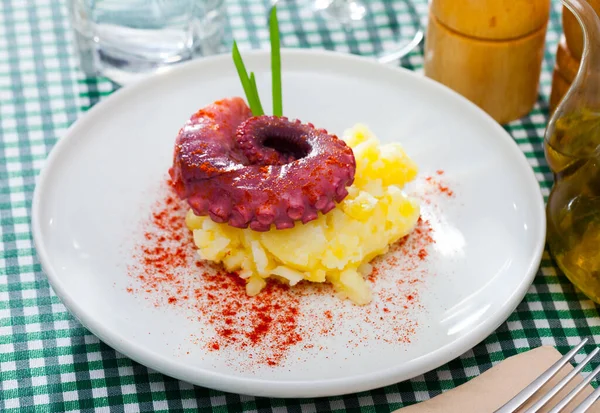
{"x":49,"y":362}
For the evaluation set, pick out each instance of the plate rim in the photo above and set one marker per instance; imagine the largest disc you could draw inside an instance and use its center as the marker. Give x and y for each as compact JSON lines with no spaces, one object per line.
{"x":264,"y":387}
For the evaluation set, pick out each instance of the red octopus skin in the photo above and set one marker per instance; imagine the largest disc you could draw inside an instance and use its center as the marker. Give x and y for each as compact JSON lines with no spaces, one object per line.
{"x":222,"y":168}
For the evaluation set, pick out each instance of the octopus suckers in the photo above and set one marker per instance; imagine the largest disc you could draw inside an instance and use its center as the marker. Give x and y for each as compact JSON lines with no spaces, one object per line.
{"x":258,"y":172}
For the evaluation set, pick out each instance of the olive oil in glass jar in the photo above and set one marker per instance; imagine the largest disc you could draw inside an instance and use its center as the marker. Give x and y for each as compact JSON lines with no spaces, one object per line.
{"x":574,"y":205}
{"x":572,"y":149}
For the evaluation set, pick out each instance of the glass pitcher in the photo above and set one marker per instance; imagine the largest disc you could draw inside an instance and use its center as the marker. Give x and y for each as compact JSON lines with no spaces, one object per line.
{"x":572,"y":149}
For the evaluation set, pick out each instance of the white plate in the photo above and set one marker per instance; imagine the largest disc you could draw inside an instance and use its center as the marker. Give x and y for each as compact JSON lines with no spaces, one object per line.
{"x":490,"y":235}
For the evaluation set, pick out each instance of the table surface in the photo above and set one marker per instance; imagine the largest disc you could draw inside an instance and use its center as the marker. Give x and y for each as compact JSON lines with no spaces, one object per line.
{"x":49,"y":362}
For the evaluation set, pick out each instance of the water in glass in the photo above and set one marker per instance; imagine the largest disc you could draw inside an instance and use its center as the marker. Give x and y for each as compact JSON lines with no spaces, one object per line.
{"x":123,"y":39}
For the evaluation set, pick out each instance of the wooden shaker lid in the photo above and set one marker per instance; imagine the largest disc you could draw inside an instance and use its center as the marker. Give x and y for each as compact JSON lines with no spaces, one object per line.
{"x":492,"y":19}
{"x":572,"y":29}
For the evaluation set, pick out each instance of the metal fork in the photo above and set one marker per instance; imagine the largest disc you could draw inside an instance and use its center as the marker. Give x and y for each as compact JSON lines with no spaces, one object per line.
{"x":517,"y":401}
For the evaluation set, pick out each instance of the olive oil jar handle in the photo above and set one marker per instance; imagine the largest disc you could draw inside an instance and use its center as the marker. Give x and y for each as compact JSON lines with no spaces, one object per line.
{"x":584,"y":94}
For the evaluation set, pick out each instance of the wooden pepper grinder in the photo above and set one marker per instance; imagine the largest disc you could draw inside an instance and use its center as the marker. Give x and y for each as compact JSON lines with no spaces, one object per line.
{"x":572,"y":30}
{"x":489,"y":51}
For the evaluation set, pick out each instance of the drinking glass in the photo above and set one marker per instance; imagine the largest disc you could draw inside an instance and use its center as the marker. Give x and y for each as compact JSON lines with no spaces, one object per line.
{"x":391,"y":29}
{"x":127,"y":39}
{"x":342,"y":10}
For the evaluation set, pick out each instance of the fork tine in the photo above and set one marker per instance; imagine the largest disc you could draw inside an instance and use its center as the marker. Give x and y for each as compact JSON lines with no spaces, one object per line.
{"x":563,"y":403}
{"x":587,"y":403}
{"x":530,"y":390}
{"x":565,"y":380}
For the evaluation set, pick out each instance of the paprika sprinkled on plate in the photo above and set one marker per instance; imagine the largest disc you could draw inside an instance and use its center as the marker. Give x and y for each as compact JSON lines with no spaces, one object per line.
{"x":437,"y":186}
{"x":281,"y":320}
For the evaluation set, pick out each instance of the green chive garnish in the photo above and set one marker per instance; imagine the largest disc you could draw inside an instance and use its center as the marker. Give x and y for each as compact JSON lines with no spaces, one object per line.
{"x":249,"y":82}
{"x":275,"y":63}
{"x":249,"y":90}
{"x":256,"y":97}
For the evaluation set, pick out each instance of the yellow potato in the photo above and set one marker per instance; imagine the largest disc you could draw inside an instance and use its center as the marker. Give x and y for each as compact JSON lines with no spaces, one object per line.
{"x":336,"y":247}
